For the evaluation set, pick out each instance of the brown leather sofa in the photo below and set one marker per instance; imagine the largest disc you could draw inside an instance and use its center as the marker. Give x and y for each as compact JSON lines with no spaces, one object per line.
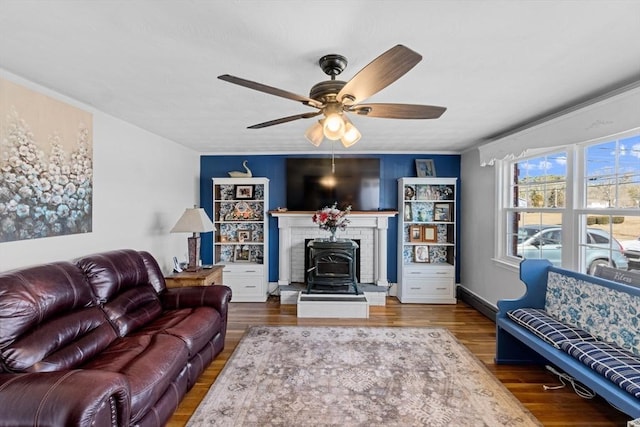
{"x":101,"y":341}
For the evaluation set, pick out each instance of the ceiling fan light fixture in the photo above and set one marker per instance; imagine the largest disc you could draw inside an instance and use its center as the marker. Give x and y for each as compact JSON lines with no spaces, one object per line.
{"x":334,"y":126}
{"x":335,"y":98}
{"x":315,"y":134}
{"x":351,"y":135}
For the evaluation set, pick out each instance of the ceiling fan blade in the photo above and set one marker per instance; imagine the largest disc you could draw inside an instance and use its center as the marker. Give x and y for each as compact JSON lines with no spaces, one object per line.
{"x":270,"y":90}
{"x":380,"y":73}
{"x":285,"y":120}
{"x":398,"y":111}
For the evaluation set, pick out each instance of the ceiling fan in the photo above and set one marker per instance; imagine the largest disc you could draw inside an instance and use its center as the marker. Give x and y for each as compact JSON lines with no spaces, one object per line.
{"x":334,"y":98}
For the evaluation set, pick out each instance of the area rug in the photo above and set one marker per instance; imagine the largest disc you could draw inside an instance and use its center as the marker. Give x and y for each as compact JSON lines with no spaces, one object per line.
{"x":356,"y":376}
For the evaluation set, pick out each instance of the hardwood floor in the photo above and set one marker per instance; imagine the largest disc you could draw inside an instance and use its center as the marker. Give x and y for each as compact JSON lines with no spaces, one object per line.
{"x":552,"y":407}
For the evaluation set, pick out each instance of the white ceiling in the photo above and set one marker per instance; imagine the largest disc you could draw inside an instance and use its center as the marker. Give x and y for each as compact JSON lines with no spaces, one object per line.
{"x":495,"y":65}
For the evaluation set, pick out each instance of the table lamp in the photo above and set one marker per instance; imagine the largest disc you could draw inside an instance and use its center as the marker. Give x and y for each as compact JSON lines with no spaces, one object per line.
{"x":193,"y":220}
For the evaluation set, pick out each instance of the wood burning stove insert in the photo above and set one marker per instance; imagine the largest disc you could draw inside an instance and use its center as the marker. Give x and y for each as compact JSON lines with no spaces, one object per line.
{"x":332,"y":266}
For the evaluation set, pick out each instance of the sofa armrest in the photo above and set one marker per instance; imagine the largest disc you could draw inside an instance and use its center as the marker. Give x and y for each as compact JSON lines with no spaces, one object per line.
{"x":64,"y":398}
{"x":216,"y":296}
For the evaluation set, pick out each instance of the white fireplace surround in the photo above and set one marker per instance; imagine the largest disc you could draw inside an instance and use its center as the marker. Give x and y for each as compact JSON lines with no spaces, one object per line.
{"x":368,"y":227}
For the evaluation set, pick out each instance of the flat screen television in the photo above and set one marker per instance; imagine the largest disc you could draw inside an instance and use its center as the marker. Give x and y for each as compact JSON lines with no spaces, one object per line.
{"x":311,"y":185}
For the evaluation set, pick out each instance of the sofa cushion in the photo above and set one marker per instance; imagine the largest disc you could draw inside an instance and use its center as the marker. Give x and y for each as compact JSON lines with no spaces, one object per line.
{"x":62,"y":343}
{"x":156,"y":277}
{"x":546,"y":327}
{"x":49,"y":319}
{"x":609,"y":360}
{"x":110,"y":273}
{"x":33,"y":295}
{"x":133,"y":308}
{"x":121,"y":282}
{"x":151,"y":363}
{"x":195,"y":326}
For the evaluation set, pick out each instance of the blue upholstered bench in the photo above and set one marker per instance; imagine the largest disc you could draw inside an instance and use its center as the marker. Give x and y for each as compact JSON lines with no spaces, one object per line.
{"x":586,"y":326}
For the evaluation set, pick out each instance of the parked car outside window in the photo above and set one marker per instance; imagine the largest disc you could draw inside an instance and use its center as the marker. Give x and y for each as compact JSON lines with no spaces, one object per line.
{"x":543,"y":241}
{"x":632,"y":252}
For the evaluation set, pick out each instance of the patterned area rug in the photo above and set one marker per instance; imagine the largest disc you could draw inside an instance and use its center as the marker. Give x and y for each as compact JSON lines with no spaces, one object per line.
{"x":356,"y":376}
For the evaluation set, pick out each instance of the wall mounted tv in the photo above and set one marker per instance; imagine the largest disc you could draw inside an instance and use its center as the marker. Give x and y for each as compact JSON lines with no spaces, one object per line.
{"x":311,"y":185}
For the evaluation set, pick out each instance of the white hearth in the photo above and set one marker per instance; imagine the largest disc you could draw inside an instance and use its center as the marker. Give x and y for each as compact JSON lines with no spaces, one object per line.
{"x":369,"y":227}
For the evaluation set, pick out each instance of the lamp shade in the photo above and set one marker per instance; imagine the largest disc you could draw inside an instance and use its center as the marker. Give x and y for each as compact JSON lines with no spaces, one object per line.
{"x":193,"y":220}
{"x":351,"y":134}
{"x":315,"y":134}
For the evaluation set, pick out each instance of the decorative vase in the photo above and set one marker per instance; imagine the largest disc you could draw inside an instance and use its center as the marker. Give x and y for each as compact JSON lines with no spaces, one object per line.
{"x":333,"y":230}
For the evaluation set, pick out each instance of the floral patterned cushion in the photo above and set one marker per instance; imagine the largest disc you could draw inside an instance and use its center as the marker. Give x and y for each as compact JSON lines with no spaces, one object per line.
{"x":546,"y":327}
{"x":614,"y":363}
{"x":603,"y":312}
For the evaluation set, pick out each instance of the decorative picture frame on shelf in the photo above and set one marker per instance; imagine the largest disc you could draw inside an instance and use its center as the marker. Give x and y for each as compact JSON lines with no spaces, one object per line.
{"x":444,"y":192}
{"x":242,"y":212}
{"x":244,"y":192}
{"x":430,"y":233}
{"x":425,"y":168}
{"x":241,"y":253}
{"x":244,"y":235}
{"x":415,"y":233}
{"x":409,"y":192}
{"x":442,"y":212}
{"x":423,"y":192}
{"x":421,"y":253}
{"x":408,"y":214}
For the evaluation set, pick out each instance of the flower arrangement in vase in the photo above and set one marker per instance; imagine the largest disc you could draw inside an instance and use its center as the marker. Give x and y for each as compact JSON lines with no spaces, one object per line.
{"x":332,"y":218}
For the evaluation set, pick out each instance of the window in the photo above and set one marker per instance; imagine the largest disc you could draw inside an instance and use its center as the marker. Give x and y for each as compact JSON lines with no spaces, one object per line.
{"x":537,"y":192}
{"x":612,"y":178}
{"x":576,"y":207}
{"x":611,"y":197}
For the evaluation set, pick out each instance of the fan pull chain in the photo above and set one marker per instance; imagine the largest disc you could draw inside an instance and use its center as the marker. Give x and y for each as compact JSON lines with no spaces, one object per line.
{"x":333,"y":158}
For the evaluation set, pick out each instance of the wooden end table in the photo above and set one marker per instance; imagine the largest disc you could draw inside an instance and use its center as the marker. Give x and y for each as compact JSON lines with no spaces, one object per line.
{"x":202,"y":277}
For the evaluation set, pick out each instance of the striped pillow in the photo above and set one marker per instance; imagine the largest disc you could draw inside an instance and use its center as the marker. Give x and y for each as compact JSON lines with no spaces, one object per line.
{"x":546,"y":327}
{"x":614,"y":363}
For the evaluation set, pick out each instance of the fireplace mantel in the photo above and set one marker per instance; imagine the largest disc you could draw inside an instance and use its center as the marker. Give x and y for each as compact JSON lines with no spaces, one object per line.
{"x":370,"y":227}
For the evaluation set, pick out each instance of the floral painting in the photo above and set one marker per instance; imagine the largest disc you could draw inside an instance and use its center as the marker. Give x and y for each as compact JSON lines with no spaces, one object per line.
{"x":46,"y":167}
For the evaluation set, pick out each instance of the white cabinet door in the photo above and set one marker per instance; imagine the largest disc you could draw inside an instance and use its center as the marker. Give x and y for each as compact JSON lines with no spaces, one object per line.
{"x":429,"y":285}
{"x":246,"y":282}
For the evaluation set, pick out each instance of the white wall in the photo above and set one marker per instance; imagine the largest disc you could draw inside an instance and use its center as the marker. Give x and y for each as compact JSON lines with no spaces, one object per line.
{"x":479,"y":274}
{"x":141,"y":185}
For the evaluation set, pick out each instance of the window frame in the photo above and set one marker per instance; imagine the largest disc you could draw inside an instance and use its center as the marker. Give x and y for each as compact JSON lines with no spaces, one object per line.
{"x":573,"y":214}
{"x":504,"y":170}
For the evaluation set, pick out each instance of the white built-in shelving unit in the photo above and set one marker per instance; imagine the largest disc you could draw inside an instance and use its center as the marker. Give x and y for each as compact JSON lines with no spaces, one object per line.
{"x":427,"y":240}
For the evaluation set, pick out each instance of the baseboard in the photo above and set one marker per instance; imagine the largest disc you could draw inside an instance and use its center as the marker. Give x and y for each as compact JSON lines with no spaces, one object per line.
{"x":476,"y":302}
{"x":393,"y":290}
{"x":273,"y":288}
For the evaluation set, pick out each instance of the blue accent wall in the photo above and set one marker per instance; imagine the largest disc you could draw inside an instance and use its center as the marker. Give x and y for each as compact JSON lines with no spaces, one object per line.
{"x":392,"y":167}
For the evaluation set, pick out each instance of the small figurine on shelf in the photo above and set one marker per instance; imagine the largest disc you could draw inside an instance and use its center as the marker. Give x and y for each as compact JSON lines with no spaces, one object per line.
{"x":238,"y":174}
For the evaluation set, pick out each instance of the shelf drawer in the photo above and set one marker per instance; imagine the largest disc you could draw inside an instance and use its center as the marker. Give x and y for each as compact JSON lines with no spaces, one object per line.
{"x":429,"y":272}
{"x":244,"y":269}
{"x":442,"y":287}
{"x":247,"y":282}
{"x":244,"y":286}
